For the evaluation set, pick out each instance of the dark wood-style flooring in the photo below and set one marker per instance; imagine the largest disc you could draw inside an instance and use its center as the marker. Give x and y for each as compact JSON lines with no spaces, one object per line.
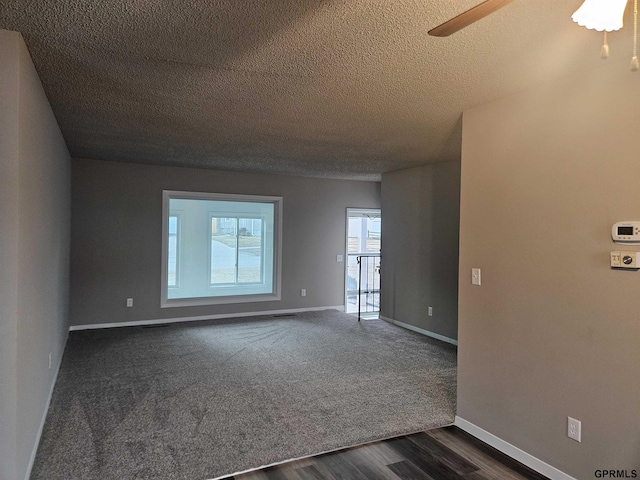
{"x":441,"y":454}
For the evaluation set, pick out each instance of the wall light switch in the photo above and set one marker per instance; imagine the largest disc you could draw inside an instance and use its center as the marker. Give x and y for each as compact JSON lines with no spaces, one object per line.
{"x":338,"y":258}
{"x":303,"y":292}
{"x":129,"y":302}
{"x":430,"y":311}
{"x":616,"y":259}
{"x":476,"y":277}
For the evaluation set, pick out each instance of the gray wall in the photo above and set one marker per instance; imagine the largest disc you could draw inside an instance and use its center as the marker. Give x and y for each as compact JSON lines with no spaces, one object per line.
{"x":9,"y":79}
{"x":553,"y":331}
{"x":34,"y":254}
{"x":420,"y":215}
{"x":117,"y":232}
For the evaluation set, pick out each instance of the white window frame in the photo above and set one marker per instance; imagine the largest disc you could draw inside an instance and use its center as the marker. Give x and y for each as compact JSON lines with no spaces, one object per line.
{"x":165,"y":302}
{"x":178,"y":215}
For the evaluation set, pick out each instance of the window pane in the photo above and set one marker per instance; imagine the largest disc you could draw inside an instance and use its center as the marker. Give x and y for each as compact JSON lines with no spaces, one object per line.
{"x":364,"y":234}
{"x":250,"y":243}
{"x":354,"y":235}
{"x":224,"y":248}
{"x":373,"y":235}
{"x":172,"y":263}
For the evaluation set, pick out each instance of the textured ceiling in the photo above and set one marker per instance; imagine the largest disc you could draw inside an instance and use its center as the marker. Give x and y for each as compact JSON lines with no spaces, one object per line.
{"x":343,"y":89}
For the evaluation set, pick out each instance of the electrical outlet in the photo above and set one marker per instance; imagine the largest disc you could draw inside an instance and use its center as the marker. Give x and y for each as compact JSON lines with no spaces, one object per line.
{"x":338,"y":258}
{"x":303,"y":292}
{"x":574,"y":429}
{"x":476,"y":276}
{"x":431,"y":311}
{"x":129,"y":302}
{"x":49,"y":360}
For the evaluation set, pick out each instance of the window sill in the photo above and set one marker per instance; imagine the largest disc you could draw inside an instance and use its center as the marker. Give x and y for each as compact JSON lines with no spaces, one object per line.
{"x":202,"y":301}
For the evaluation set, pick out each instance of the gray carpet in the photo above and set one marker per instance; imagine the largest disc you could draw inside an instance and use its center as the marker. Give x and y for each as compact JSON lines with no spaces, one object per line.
{"x":200,"y":400}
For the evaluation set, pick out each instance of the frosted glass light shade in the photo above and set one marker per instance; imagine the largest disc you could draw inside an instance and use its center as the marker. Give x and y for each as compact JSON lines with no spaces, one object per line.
{"x":600,"y":15}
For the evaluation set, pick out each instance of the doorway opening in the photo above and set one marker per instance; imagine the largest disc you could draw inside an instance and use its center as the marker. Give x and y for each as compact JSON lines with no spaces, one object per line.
{"x":362,"y":269}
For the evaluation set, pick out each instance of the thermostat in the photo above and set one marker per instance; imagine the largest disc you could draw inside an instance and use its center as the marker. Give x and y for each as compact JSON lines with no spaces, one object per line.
{"x":626,"y":233}
{"x":625,"y":260}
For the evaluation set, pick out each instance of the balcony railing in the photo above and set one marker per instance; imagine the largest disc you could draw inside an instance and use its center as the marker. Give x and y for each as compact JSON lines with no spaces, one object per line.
{"x":363,"y":283}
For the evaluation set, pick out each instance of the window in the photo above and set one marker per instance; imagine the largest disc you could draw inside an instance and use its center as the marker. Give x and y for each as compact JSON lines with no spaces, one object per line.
{"x":237,"y":255}
{"x":220,"y":248}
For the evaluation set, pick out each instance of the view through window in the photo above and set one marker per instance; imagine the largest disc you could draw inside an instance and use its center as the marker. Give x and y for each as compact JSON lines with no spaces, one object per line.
{"x":237,"y":250}
{"x":220,"y":248}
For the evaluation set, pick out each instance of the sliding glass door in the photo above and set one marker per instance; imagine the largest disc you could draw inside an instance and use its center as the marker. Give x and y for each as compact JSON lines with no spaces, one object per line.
{"x":362,"y":276}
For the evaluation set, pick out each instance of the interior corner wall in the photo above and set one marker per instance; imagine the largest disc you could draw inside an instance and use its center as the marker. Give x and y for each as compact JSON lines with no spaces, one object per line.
{"x":552,"y":331}
{"x":420,"y":215}
{"x":116,"y":246}
{"x":34,"y":290}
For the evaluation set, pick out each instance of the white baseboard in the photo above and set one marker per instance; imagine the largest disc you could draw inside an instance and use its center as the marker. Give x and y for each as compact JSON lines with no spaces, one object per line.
{"x":512,"y":451}
{"x":32,"y":459}
{"x":159,"y":321}
{"x":428,"y":333}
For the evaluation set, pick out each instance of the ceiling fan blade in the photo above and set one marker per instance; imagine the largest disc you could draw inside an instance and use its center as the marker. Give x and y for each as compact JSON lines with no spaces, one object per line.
{"x":467,"y":18}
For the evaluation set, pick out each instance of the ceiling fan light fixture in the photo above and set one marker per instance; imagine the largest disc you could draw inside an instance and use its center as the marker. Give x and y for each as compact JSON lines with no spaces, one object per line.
{"x":600,"y":15}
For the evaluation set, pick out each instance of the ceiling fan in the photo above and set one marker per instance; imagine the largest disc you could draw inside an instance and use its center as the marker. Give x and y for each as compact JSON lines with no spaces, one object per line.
{"x":467,"y":18}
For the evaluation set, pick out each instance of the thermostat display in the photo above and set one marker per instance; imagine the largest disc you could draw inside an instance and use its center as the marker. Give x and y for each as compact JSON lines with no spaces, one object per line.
{"x":626,"y":233}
